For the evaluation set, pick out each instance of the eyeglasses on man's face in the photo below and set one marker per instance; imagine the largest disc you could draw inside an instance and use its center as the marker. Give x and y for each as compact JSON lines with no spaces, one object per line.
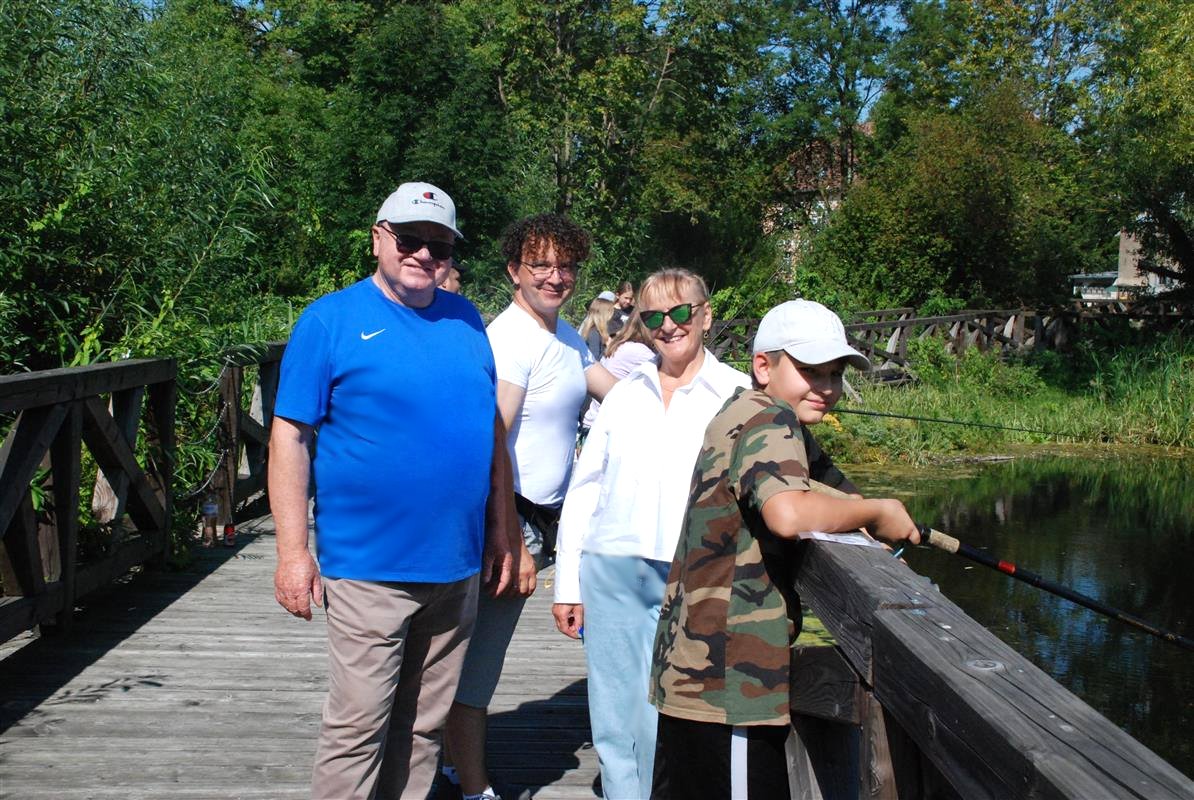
{"x":408,"y":243}
{"x":680,"y":315}
{"x":541,"y":270}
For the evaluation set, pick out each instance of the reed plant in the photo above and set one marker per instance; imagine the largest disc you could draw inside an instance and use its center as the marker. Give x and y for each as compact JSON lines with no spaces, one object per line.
{"x":1138,"y":391}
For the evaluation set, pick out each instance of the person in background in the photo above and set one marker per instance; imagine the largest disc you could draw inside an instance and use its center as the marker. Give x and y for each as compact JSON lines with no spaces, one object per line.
{"x":629,"y":348}
{"x":624,"y":302}
{"x":401,"y":550}
{"x":544,"y":371}
{"x":595,"y":327}
{"x":622,"y":516}
{"x":451,"y":279}
{"x":720,"y":668}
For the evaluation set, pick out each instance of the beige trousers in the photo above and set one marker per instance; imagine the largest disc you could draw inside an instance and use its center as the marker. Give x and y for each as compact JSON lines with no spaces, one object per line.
{"x":394,"y":651}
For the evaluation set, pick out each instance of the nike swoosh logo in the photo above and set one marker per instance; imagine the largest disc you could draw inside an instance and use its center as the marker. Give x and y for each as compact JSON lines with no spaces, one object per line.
{"x":367,"y":336}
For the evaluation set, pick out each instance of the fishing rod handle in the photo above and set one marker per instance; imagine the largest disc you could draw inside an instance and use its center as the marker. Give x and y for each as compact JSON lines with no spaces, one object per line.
{"x":935,"y":538}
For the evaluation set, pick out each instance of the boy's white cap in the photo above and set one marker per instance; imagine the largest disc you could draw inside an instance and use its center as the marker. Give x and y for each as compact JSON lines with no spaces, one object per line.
{"x":607,"y":295}
{"x":420,"y":202}
{"x":809,"y":332}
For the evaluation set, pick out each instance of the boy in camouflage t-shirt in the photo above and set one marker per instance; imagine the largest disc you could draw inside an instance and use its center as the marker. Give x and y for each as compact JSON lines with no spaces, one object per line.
{"x":730,"y":615}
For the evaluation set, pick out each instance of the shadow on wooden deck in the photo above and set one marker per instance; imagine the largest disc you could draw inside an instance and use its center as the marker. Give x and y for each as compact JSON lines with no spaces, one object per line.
{"x":195,"y":684}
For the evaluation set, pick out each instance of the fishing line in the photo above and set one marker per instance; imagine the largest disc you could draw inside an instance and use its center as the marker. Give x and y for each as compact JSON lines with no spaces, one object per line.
{"x":840,"y":410}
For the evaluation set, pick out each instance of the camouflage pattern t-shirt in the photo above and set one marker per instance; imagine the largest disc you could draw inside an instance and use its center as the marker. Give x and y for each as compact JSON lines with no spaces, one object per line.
{"x":730,"y":614}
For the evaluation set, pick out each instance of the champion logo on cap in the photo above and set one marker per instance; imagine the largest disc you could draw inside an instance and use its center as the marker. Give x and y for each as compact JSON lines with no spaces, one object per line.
{"x":419,"y":202}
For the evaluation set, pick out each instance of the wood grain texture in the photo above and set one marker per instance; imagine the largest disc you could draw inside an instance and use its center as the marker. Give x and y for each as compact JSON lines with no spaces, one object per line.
{"x":194,"y":684}
{"x":993,"y":724}
{"x":47,"y":387}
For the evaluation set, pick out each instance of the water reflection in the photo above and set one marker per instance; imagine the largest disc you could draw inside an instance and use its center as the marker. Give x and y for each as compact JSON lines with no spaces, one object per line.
{"x":1116,"y":526}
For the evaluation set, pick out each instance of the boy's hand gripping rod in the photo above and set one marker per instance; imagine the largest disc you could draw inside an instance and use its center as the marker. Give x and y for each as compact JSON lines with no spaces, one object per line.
{"x":943,"y":541}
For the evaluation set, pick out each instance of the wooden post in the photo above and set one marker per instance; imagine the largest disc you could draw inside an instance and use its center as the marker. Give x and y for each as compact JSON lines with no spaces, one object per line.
{"x":66,"y":459}
{"x":109,"y":495}
{"x":878,"y":775}
{"x":1018,"y":329}
{"x":823,"y":760}
{"x":823,"y":750}
{"x":224,"y":482}
{"x":160,"y":438}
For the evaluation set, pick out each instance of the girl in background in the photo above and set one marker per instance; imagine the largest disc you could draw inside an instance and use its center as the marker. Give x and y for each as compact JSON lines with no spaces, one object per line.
{"x":595,"y":328}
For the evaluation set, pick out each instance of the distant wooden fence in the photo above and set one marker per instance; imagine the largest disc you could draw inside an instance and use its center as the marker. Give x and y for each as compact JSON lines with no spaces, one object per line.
{"x":105,"y":407}
{"x":883,"y":335}
{"x":917,"y":700}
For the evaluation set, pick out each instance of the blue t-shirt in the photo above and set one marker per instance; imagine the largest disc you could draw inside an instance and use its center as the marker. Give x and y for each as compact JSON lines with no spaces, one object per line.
{"x":403,"y":399}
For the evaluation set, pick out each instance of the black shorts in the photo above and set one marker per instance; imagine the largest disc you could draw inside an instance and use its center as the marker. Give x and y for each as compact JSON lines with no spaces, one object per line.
{"x":699,"y":760}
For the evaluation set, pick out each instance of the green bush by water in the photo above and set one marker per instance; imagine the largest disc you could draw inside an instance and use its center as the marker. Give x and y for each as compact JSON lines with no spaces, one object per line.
{"x":1135,"y":388}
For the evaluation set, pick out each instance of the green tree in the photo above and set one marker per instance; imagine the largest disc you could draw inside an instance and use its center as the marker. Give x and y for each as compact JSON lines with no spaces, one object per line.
{"x":1143,"y":130}
{"x":952,"y":51}
{"x":982,"y":206}
{"x":833,"y":66}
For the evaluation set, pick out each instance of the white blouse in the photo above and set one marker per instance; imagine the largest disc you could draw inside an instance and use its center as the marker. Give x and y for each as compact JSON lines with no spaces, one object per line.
{"x":630,"y":485}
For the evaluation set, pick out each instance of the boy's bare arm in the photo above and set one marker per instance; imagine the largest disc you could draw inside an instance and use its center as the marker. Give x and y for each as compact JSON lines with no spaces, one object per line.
{"x":789,"y":514}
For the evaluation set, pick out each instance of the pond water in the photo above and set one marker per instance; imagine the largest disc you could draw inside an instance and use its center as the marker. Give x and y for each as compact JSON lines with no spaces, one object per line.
{"x":1114,"y":524}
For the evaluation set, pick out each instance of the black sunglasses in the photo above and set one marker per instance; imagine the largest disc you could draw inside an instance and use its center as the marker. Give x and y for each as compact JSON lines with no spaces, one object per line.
{"x":409,"y":243}
{"x":678,"y":314}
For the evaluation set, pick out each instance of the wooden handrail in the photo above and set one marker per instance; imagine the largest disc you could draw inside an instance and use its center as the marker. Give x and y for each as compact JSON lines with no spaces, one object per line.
{"x":933,"y":704}
{"x":884,"y":341}
{"x":58,"y":412}
{"x":244,"y":427}
{"x":47,"y":387}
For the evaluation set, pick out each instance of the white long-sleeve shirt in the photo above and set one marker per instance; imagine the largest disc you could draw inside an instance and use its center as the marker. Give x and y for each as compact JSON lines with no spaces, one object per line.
{"x":628,"y":356}
{"x":630,"y":485}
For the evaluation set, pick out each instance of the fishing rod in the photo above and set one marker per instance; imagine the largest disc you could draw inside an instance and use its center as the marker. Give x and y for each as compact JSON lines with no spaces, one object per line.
{"x":942,"y":541}
{"x":953,"y":422}
{"x":950,"y":544}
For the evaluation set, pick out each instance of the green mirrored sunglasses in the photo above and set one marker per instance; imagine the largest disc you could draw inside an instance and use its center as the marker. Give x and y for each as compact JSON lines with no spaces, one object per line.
{"x":679,"y":314}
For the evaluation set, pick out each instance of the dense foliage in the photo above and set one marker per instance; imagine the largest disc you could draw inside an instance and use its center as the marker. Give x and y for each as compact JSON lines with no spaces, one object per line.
{"x":183,"y":175}
{"x":180,"y":176}
{"x":1121,"y":387}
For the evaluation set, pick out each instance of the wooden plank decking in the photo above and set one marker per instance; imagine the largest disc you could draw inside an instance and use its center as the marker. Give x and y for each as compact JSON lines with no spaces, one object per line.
{"x":196,"y":684}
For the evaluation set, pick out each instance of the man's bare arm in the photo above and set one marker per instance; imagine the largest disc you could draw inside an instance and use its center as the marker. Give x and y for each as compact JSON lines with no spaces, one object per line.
{"x":509,"y":402}
{"x":498,"y":567}
{"x":296,"y":578}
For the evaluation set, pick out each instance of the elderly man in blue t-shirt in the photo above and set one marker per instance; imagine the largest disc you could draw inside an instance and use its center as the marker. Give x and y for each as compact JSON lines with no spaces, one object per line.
{"x":401,"y":549}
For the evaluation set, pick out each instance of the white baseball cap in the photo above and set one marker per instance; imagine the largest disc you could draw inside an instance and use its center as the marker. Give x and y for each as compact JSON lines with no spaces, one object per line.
{"x":808,"y":332}
{"x":420,"y":202}
{"x":607,"y":295}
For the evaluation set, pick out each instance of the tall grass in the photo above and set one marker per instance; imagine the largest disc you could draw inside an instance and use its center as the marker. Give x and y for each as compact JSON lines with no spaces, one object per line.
{"x":1139,"y":392}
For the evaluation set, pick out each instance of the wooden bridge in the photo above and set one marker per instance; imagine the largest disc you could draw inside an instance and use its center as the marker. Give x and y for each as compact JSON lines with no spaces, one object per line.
{"x":190,"y":683}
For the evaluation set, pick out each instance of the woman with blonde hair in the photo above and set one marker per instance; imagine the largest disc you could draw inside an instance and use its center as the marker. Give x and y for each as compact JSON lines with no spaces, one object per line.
{"x":622,"y":516}
{"x":594,"y":329}
{"x":628,"y":348}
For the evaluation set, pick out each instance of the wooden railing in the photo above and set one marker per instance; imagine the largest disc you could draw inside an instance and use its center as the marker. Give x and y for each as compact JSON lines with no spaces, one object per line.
{"x":243,"y":428}
{"x":53,"y":415}
{"x":917,"y":700}
{"x":883,"y":335}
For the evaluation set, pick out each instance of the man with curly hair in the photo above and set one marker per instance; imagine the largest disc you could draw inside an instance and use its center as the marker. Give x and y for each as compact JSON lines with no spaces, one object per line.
{"x":544,"y":372}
